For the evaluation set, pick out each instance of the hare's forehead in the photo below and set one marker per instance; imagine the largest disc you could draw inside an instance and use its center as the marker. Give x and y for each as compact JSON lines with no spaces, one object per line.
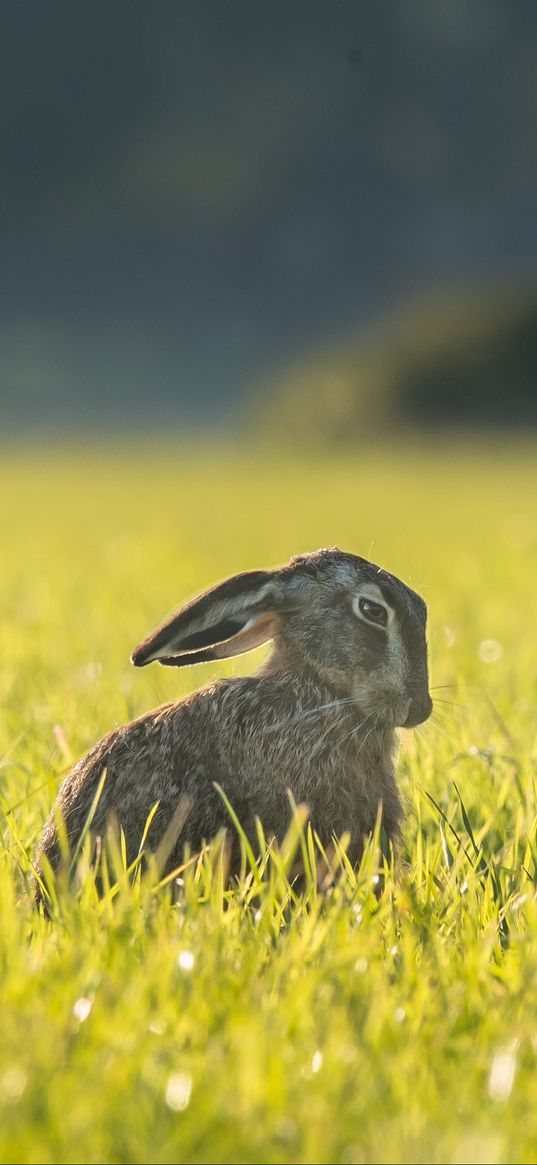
{"x":364,"y":580}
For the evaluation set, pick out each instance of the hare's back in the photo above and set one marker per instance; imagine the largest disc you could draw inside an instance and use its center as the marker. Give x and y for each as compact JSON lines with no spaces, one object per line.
{"x":160,"y":757}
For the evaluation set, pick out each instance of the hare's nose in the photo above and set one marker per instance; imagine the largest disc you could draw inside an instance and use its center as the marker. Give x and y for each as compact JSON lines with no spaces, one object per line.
{"x":420,"y":709}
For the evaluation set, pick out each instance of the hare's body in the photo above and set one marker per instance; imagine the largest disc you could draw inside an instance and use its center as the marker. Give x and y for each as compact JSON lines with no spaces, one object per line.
{"x":282,"y":735}
{"x":349,"y":663}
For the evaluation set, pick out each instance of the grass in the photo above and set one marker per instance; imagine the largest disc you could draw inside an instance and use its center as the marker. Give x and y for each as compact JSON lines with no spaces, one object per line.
{"x":248,"y":1024}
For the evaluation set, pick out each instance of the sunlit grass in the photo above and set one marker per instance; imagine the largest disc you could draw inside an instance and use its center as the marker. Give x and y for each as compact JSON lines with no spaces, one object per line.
{"x":199,"y":1022}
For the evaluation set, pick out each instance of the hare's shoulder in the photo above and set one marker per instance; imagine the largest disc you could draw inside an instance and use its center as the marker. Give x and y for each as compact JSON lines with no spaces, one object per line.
{"x":256,"y":700}
{"x":208,"y":720}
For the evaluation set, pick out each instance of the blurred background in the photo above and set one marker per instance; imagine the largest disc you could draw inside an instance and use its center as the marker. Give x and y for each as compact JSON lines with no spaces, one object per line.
{"x":316,"y":218}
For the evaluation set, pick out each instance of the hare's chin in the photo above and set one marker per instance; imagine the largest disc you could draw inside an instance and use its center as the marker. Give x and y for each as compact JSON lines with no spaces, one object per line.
{"x":383,"y":715}
{"x":392,"y":713}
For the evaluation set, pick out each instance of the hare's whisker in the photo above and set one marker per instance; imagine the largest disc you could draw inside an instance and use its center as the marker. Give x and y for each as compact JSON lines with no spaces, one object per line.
{"x":356,"y":728}
{"x":452,"y":703}
{"x":369,"y":733}
{"x":434,"y":723}
{"x":334,"y":724}
{"x":307,"y":713}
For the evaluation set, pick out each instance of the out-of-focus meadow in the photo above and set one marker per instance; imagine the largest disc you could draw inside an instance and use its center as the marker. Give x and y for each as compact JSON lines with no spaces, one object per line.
{"x":337,"y":1029}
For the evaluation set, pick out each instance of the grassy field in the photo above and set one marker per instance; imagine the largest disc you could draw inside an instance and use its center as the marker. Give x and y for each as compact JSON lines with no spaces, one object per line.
{"x":244,"y":1025}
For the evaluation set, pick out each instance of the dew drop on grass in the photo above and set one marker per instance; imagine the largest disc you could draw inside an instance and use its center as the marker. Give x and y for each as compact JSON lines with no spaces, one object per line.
{"x":490,"y":651}
{"x":178,"y":1091}
{"x":400,"y":1014}
{"x":502,"y":1074}
{"x":82,"y":1008}
{"x":317,"y":1061}
{"x":157,"y":1027}
{"x":186,"y":960}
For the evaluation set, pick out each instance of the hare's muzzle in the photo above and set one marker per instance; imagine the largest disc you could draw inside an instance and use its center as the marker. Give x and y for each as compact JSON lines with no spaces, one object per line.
{"x":419,"y":709}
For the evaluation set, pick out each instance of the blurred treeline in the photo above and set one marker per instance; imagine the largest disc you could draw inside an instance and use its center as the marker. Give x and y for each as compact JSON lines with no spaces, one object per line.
{"x":202,"y":203}
{"x":458,"y":360}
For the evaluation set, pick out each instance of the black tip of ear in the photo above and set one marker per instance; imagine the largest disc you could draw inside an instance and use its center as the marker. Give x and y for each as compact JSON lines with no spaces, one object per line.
{"x":140,"y":656}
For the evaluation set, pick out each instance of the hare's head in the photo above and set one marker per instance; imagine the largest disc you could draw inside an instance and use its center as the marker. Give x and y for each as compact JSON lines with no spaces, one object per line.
{"x":354,"y":626}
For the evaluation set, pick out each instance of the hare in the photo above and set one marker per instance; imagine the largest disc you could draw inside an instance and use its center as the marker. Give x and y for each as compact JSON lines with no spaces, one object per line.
{"x":348,"y":664}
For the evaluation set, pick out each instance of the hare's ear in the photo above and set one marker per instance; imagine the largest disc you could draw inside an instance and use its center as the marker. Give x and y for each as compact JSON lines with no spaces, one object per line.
{"x":231,"y":618}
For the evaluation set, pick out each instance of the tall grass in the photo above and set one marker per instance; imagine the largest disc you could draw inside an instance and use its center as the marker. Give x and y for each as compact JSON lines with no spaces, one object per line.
{"x":263,"y":1022}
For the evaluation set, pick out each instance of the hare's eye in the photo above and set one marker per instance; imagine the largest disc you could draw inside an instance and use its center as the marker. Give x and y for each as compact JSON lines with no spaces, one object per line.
{"x":374,"y":612}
